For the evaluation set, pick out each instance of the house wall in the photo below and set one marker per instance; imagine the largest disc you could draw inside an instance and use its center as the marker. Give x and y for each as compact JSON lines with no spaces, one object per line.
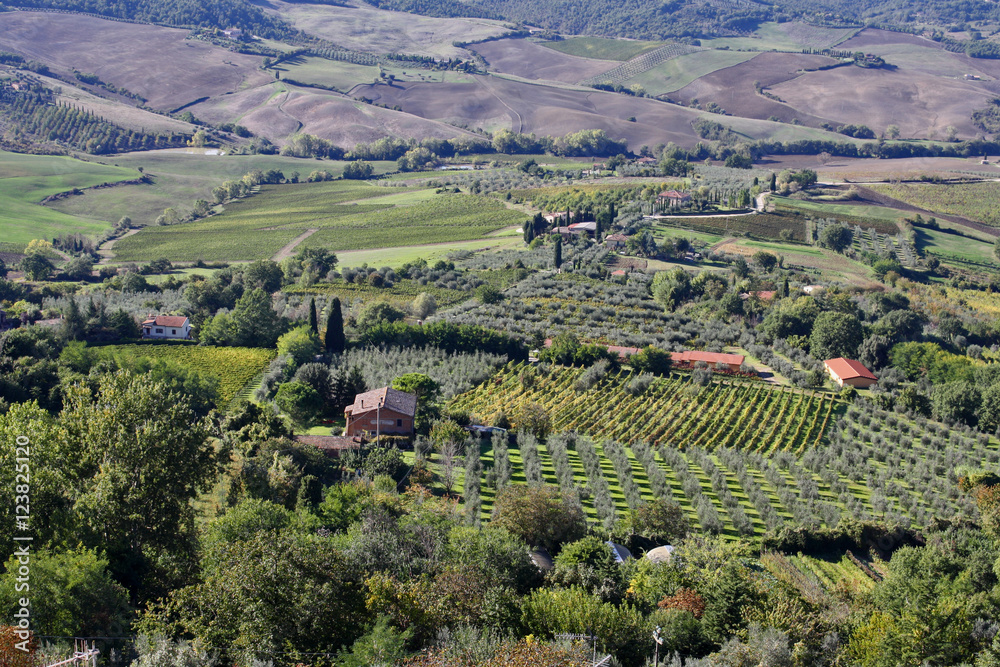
{"x":393,"y":423}
{"x":179,"y":333}
{"x":860,"y":383}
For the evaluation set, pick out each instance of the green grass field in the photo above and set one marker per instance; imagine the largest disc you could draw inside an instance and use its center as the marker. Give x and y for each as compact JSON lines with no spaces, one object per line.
{"x":791,"y":36}
{"x":234,"y":367}
{"x":600,"y":48}
{"x":398,"y":256}
{"x":664,"y":231}
{"x":180,"y":178}
{"x":25,"y":180}
{"x":952,"y":246}
{"x":347,"y":216}
{"x":339,"y":75}
{"x":679,"y":72}
{"x":879,"y":218}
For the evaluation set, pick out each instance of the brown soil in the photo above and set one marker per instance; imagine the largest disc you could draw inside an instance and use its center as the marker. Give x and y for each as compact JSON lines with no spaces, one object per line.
{"x":532,"y":61}
{"x":332,"y":116}
{"x":157,"y":63}
{"x":919,"y":104}
{"x":732,"y":88}
{"x":870,"y":37}
{"x":492,"y":103}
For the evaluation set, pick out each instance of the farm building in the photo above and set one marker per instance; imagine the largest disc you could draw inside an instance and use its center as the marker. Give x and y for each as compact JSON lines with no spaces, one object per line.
{"x":167,"y":327}
{"x":384,"y":411}
{"x":615,"y":241}
{"x":763,"y":295}
{"x":688,"y":358}
{"x":568,"y":232}
{"x":673,"y":198}
{"x":587,"y":226}
{"x":849,"y":372}
{"x":813,"y":289}
{"x":552,"y":217}
{"x":646,"y":161}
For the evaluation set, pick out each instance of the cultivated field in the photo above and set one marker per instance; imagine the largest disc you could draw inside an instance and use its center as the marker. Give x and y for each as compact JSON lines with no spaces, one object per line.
{"x":827,"y":263}
{"x":764,"y":225}
{"x":600,"y":48}
{"x":233,"y":367}
{"x":339,"y":75}
{"x":345,"y":215}
{"x":682,"y":70}
{"x":531,"y":60}
{"x":180,"y":178}
{"x":364,"y":28}
{"x":160,"y":64}
{"x":975,"y":201}
{"x":27,"y":179}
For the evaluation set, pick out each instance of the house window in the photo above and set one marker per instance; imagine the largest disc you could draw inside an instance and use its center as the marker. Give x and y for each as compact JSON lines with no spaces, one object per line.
{"x":173,"y":332}
{"x":159,"y":331}
{"x":399,"y":423}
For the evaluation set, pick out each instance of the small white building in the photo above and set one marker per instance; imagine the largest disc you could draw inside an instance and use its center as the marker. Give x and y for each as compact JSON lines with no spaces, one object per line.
{"x":167,"y":326}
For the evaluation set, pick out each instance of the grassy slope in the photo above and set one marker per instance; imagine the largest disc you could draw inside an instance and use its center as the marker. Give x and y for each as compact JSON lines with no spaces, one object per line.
{"x":27,"y":179}
{"x":976,"y":201}
{"x":348,"y":216}
{"x":179,"y":179}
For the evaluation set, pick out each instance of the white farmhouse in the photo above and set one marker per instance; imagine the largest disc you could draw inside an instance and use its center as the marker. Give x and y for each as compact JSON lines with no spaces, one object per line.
{"x":167,"y":326}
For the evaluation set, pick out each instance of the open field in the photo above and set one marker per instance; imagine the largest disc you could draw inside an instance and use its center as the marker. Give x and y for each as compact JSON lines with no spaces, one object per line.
{"x":233,"y":367}
{"x":732,"y":88}
{"x":826,"y":262}
{"x":790,"y":36}
{"x":880,"y":218}
{"x":180,"y":178}
{"x":976,"y":201}
{"x":278,"y":110}
{"x":339,"y":75}
{"x":493,"y":103}
{"x":531,"y":60}
{"x":601,"y":48}
{"x":160,"y":64}
{"x":400,"y":255}
{"x":364,"y":28}
{"x":759,"y":225}
{"x":347,"y":216}
{"x":682,"y":70}
{"x":27,"y":179}
{"x":952,"y":246}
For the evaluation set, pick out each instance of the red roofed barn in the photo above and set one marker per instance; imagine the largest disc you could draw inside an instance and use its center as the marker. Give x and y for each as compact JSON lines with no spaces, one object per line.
{"x":384,"y":411}
{"x":850,"y":372}
{"x":167,"y":326}
{"x":688,"y":358}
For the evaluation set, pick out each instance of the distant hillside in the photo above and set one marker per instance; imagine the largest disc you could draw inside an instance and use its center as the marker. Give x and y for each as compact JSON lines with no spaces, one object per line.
{"x":642,"y":19}
{"x":196,"y":13}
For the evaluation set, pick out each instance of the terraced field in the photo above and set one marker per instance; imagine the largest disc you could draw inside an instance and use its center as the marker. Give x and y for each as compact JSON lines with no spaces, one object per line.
{"x":348,"y":216}
{"x":732,"y":413}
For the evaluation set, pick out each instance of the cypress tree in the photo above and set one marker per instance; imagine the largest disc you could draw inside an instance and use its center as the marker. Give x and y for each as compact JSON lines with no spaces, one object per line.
{"x":529,"y":231}
{"x":774,"y":182}
{"x":557,"y":253}
{"x":335,"y":340}
{"x":313,"y":323}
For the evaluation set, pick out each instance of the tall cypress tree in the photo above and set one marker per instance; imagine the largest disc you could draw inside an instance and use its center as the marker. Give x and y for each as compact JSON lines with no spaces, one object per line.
{"x":557,"y":253}
{"x":335,"y":340}
{"x":313,"y":323}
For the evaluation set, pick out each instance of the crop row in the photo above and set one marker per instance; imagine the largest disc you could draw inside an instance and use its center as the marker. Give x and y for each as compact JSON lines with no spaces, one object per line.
{"x":745,"y":415}
{"x":759,"y":225}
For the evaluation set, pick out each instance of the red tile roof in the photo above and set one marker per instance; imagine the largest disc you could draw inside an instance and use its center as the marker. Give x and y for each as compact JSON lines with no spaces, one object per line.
{"x":167,"y":321}
{"x":386,"y":397}
{"x":616,"y":237}
{"x":673,"y":194}
{"x":846,"y":369}
{"x":691,"y":356}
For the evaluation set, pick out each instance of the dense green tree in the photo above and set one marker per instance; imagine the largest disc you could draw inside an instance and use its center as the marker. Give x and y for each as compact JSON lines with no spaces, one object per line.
{"x":36,"y":266}
{"x":141,"y":455}
{"x":378,"y":312}
{"x":765,"y":260}
{"x":253,"y":323}
{"x":539,"y":515}
{"x":836,"y":237}
{"x":269,"y":594}
{"x":955,"y":401}
{"x":835,"y":335}
{"x":301,"y":344}
{"x":333,"y":338}
{"x":652,"y":360}
{"x":264,"y":274}
{"x":300,"y":402}
{"x":72,"y":593}
{"x":660,"y":520}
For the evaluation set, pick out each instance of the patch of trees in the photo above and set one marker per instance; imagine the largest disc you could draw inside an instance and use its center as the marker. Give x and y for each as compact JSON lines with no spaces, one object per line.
{"x":37,"y":115}
{"x":857,"y":131}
